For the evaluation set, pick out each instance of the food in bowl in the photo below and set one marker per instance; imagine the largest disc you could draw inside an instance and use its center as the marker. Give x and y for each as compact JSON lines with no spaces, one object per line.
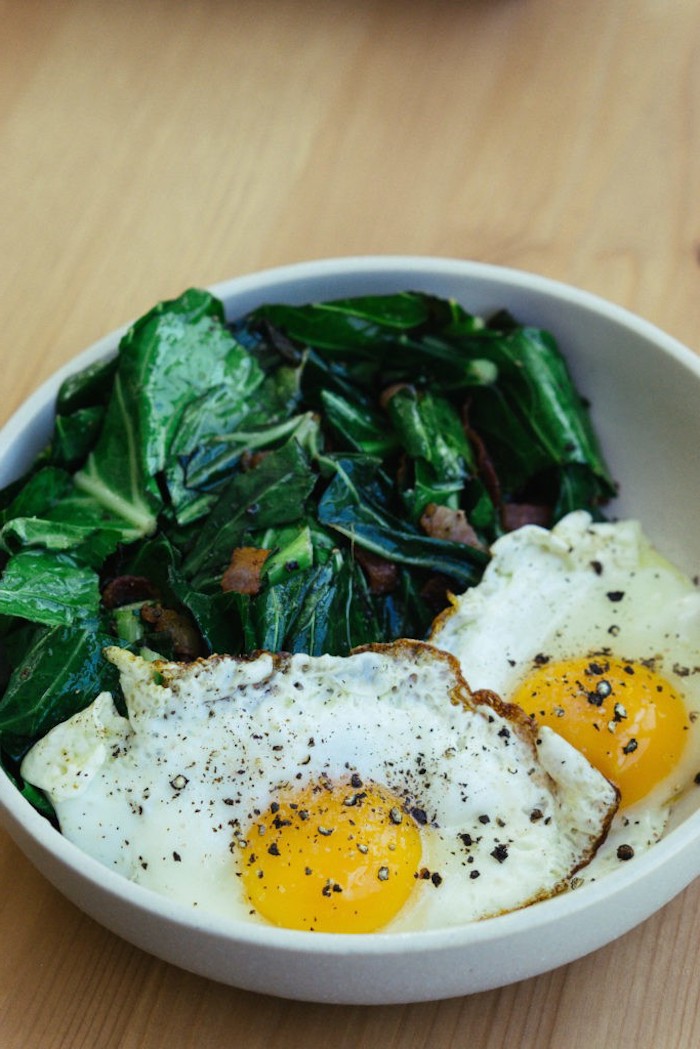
{"x":642,"y":385}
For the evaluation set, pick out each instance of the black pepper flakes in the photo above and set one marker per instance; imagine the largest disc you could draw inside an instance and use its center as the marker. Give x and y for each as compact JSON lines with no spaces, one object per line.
{"x":630,"y":747}
{"x":615,"y":595}
{"x":436,"y":879}
{"x":625,"y":852}
{"x":500,"y":853}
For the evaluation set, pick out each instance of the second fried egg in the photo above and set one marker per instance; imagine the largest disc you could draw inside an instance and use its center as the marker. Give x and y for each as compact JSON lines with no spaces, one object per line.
{"x":595,"y":635}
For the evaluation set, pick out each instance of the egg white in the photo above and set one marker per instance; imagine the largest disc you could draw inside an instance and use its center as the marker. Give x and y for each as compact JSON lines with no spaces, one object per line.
{"x":579,"y":589}
{"x":165,"y":795}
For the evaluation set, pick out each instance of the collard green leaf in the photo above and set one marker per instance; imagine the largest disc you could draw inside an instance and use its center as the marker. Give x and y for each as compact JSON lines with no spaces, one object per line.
{"x":430,"y":428}
{"x":291,"y":550}
{"x":356,"y":380}
{"x":274,"y":493}
{"x":403,"y":613}
{"x":114,"y":474}
{"x":328,"y":616}
{"x":387,"y":332}
{"x":75,"y":435}
{"x":87,"y":388}
{"x":204,"y":474}
{"x":60,"y":675}
{"x":537,"y":419}
{"x":325,"y":609}
{"x":360,"y":428}
{"x":38,"y":494}
{"x":348,"y":324}
{"x":89,"y":544}
{"x":357,"y":504}
{"x":47,"y":587}
{"x":168,"y":359}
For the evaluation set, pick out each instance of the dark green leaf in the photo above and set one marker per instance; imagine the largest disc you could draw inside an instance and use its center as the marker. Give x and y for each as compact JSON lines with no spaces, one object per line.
{"x":348,"y":324}
{"x":356,"y":504}
{"x":537,"y":419}
{"x":38,"y":494}
{"x":87,"y":388}
{"x":360,"y":428}
{"x":167,"y":360}
{"x":74,"y":436}
{"x":89,"y":544}
{"x":206,"y":472}
{"x":271,"y":495}
{"x":50,"y":588}
{"x":60,"y":675}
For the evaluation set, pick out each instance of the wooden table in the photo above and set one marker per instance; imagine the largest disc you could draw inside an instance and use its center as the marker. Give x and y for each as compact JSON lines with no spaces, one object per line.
{"x":149,"y":146}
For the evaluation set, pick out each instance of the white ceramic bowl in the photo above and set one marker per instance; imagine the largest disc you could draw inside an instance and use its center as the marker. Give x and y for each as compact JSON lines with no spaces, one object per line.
{"x":644,"y":388}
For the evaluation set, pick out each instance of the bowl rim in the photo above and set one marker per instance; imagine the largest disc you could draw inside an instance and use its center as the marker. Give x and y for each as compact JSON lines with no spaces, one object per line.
{"x":21,"y":819}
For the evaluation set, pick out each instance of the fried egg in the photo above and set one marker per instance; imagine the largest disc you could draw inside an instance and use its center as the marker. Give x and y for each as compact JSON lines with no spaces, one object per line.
{"x":328,"y":794}
{"x":593,"y":633}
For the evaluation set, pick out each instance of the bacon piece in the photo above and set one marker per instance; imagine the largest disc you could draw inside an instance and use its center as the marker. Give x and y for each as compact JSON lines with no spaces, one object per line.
{"x":182,"y":631}
{"x":243,"y":573}
{"x":440,"y":522}
{"x":382,"y":575}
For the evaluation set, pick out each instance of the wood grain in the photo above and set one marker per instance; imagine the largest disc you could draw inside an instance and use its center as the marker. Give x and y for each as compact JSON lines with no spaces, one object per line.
{"x":147,"y":147}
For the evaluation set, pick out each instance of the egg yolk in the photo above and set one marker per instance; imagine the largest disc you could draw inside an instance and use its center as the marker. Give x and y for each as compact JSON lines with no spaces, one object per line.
{"x":623,"y":716}
{"x":332,"y":857}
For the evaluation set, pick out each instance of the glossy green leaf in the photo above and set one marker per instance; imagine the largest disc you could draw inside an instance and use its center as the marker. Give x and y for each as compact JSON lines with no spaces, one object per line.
{"x":60,"y":675}
{"x":357,"y":504}
{"x":47,"y":587}
{"x":272,"y":494}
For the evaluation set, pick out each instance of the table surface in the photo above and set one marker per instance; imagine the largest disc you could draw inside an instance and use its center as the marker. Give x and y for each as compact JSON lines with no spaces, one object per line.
{"x":148,"y":147}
